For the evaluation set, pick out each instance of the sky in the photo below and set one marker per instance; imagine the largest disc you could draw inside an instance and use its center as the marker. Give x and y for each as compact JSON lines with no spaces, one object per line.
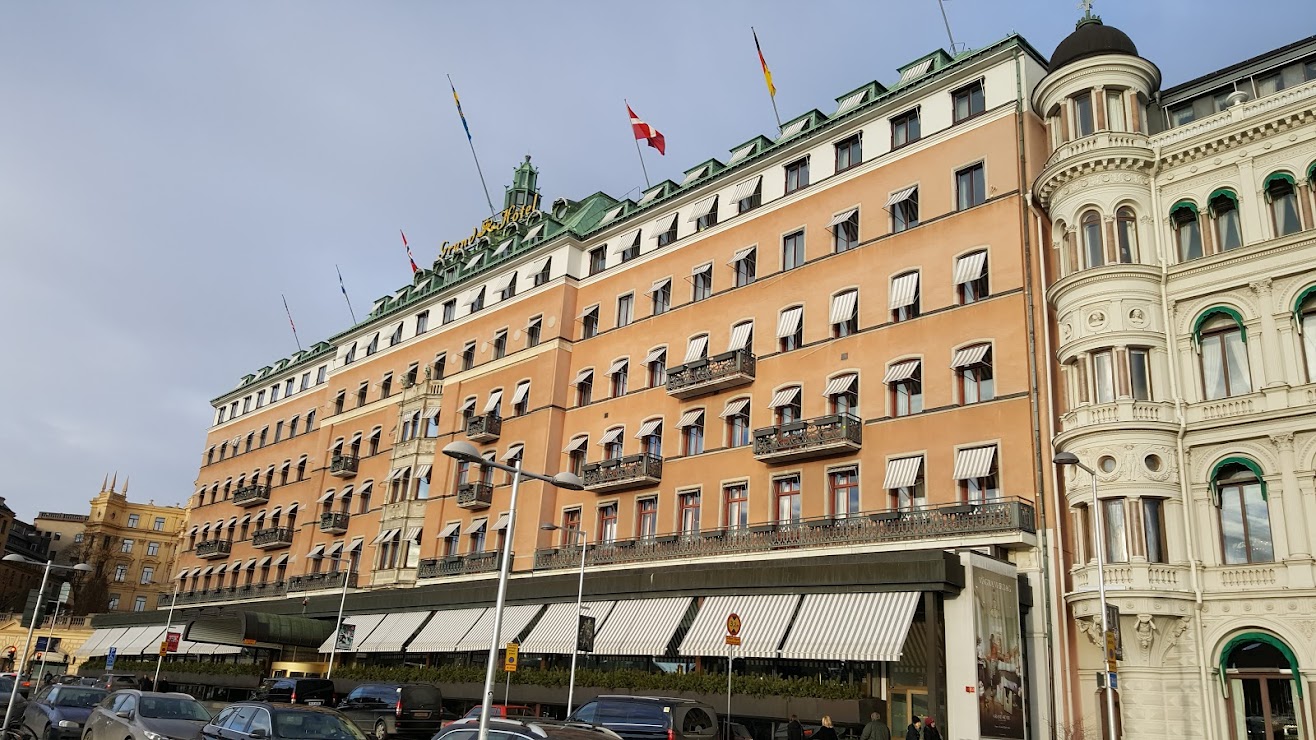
{"x":168,"y":170}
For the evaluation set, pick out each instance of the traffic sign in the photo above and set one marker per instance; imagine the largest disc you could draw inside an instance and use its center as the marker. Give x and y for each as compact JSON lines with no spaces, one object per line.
{"x":164,"y":648}
{"x":733,"y":639}
{"x":109,"y":658}
{"x":733,"y":624}
{"x":1112,"y":646}
{"x":510,"y":657}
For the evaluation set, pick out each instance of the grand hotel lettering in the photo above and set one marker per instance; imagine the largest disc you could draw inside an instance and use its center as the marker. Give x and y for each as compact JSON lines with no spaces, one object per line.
{"x":510,"y":218}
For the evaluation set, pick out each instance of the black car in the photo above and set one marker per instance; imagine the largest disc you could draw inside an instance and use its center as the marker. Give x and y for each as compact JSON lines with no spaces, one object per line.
{"x":650,"y":717}
{"x":468,"y":728}
{"x":313,"y":692}
{"x":20,"y":700}
{"x":258,"y":720}
{"x":402,"y":709}
{"x":58,"y":712}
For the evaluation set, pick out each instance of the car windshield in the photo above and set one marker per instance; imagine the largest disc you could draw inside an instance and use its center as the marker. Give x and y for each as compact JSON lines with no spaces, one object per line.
{"x":77,"y":697}
{"x":314,"y":726}
{"x":160,"y":707}
{"x":6,"y":685}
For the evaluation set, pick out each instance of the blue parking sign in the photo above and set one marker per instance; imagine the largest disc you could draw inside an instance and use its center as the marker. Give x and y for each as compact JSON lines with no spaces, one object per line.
{"x":109,"y":658}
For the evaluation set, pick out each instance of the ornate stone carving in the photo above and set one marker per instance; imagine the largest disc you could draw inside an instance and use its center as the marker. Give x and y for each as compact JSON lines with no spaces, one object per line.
{"x":1260,"y":287}
{"x":1308,"y":629}
{"x":1097,"y":319}
{"x":1282,"y":441}
{"x":1091,"y":626}
{"x":1138,"y":317}
{"x":1145,"y":629}
{"x":1176,"y":631}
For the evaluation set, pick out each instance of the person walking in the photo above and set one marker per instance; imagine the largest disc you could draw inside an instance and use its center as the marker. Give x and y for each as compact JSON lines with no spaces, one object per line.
{"x":915,"y":730}
{"x":930,"y":731}
{"x":826,"y":732}
{"x":876,"y":729}
{"x":794,"y":730}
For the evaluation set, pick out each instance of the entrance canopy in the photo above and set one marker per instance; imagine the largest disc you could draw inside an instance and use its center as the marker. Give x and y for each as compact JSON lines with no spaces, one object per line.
{"x":258,"y":629}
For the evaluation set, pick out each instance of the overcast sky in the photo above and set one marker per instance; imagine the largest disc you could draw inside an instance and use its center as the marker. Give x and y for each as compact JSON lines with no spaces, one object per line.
{"x":168,"y":169}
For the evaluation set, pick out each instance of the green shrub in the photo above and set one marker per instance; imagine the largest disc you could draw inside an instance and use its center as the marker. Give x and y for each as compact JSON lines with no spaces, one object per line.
{"x":193,"y":667}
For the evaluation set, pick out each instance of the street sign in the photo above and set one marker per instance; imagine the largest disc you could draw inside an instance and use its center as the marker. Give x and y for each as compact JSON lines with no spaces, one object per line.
{"x":65,"y":591}
{"x":1112,"y":646}
{"x":164,"y":648}
{"x":1113,"y":620}
{"x":171,"y":641}
{"x":733,"y":625}
{"x":109,"y":658}
{"x":585,"y":634}
{"x":346,"y":636}
{"x":510,"y":657}
{"x":1108,"y":677}
{"x":41,"y":644}
{"x":733,"y":639}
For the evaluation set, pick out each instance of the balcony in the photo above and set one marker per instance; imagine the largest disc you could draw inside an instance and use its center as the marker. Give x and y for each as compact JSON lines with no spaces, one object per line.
{"x":477,"y":495}
{"x":226,"y":593}
{"x":632,"y":471}
{"x":484,"y":428}
{"x":459,"y":565}
{"x":321,"y":581}
{"x":809,"y":438}
{"x":251,"y":496}
{"x":272,"y":538}
{"x":212,"y":549}
{"x":334,"y":522}
{"x":344,"y":466}
{"x":719,"y":372}
{"x":1009,"y":522}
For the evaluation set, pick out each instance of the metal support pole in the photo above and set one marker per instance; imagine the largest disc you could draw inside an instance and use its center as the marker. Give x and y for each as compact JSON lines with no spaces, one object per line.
{"x":580,"y":612}
{"x":22,"y":657}
{"x":504,"y":569}
{"x":342,"y":601}
{"x":1101,"y":592}
{"x":41,"y":670}
{"x":730,"y":659}
{"x":169,"y":622}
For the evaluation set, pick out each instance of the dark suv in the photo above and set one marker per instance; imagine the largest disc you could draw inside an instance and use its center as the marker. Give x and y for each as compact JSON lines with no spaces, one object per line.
{"x":402,"y":709}
{"x":650,"y":717}
{"x":525,"y":728}
{"x":310,"y":691}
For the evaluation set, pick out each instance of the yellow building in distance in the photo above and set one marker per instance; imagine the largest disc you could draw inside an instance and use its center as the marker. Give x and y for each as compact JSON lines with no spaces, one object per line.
{"x":133,"y":545}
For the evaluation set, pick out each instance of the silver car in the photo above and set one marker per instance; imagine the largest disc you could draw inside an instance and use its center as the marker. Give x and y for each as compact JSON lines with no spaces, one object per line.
{"x":146,"y":715}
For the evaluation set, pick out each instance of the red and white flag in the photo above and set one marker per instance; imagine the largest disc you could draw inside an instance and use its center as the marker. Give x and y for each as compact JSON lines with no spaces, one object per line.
{"x":414,"y":268}
{"x":648,"y":133}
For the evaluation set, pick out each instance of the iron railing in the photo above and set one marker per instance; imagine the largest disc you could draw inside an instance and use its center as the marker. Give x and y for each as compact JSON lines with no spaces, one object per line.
{"x":272,"y":538}
{"x":321,"y":581}
{"x":727,"y":370}
{"x":823,"y":435}
{"x":251,"y":495}
{"x":485,"y":427}
{"x":632,"y":471}
{"x":334,"y":522}
{"x":213,"y":549}
{"x":475,"y":495}
{"x":344,"y":466}
{"x":458,"y":565}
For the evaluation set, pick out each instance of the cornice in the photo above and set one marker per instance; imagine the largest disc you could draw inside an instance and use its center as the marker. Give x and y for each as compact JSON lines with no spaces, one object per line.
{"x":1135,"y":162}
{"x":1109,"y":273}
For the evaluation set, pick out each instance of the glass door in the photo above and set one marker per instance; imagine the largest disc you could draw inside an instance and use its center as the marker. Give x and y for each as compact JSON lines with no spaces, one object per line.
{"x":906,"y":704}
{"x":1264,"y":708}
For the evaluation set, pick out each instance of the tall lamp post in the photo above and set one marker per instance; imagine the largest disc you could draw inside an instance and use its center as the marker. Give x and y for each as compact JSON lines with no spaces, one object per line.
{"x":1069,"y":458}
{"x":582,"y":538}
{"x":169,"y":622}
{"x":41,"y":592}
{"x":342,"y":602}
{"x":467,"y":453}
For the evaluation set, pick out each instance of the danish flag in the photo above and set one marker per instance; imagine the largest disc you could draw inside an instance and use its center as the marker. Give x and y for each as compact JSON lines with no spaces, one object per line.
{"x":648,"y":133}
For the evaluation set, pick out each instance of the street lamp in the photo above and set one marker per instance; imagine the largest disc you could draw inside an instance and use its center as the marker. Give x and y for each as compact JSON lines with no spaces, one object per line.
{"x":169,"y":622}
{"x":41,"y":592}
{"x":467,"y":453}
{"x":1069,"y":458}
{"x":580,"y":608}
{"x":342,"y":602}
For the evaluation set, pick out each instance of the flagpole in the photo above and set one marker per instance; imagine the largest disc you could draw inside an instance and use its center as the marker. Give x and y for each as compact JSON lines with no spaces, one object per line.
{"x":345,"y":296}
{"x":492,"y":211}
{"x":639,"y":152}
{"x":767,"y":77}
{"x":290,"y":322}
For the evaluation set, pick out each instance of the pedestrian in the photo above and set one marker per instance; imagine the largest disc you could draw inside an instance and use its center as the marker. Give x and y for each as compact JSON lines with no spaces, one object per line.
{"x":144,"y":684}
{"x":930,"y":731}
{"x":915,"y":730}
{"x":876,"y":729}
{"x":48,"y":679}
{"x":826,"y":732}
{"x":794,"y":730}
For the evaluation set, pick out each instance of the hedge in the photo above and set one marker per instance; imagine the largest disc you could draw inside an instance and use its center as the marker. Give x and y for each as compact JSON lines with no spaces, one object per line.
{"x":192,"y":667}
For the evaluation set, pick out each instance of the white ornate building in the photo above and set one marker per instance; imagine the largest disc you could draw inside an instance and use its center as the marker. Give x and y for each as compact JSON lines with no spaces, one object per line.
{"x":1183,"y":283}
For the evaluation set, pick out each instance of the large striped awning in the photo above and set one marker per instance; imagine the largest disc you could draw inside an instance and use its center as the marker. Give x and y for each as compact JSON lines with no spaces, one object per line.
{"x":515,"y":619}
{"x":364,"y":624}
{"x":640,"y":626}
{"x":394,"y":632}
{"x":851,"y":626}
{"x":764,"y":618}
{"x":445,"y":629}
{"x":555,"y":632}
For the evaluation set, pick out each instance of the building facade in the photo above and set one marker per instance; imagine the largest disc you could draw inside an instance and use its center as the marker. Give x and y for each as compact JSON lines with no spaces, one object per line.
{"x":63,"y":534}
{"x":132,"y":546}
{"x":1181,"y":281}
{"x":17,"y":579}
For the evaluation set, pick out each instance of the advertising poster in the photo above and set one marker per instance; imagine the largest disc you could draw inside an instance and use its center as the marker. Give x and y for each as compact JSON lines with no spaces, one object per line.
{"x":1000,"y":655}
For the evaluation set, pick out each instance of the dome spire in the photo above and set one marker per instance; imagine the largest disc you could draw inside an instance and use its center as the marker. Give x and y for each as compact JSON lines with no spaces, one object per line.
{"x":1088,"y":17}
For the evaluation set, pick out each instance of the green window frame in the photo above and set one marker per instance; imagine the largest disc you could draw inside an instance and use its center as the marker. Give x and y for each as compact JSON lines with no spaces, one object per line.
{"x":1211,"y":313}
{"x":1245,"y":462}
{"x":1268,"y":639}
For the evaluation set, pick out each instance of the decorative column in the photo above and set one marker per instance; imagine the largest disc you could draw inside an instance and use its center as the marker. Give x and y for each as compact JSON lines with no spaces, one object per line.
{"x":1272,"y":360}
{"x":1252,"y":206}
{"x":1291,"y":498}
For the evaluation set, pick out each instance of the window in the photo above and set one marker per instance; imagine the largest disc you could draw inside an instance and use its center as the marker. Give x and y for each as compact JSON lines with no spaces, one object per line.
{"x":667,"y":235}
{"x":797,"y":175}
{"x":521,"y":399}
{"x":1224,"y":210}
{"x":373,"y":447}
{"x":260,"y":399}
{"x":904,"y":297}
{"x":477,"y":532}
{"x":973,"y":367}
{"x":500,"y":344}
{"x":598,"y":260}
{"x":657,"y":367}
{"x":689,"y":502}
{"x":477,"y":302}
{"x":584,"y":387}
{"x":904,"y":483}
{"x":152,"y":549}
{"x":570,"y":527}
{"x":576,"y":457}
{"x":306,"y":381}
{"x":148,"y":574}
{"x":246,"y":402}
{"x":971,"y":284}
{"x":1112,"y":513}
{"x":786,"y":403}
{"x":845,"y":231}
{"x":589,"y":323}
{"x":709,"y":219}
{"x":133,"y":519}
{"x":126,"y":546}
{"x":968,"y":101}
{"x":1115,"y":118}
{"x":1140,"y":373}
{"x":468,"y":355}
{"x":385,"y":388}
{"x":632,"y":250}
{"x":745,"y":266}
{"x":1306,"y":315}
{"x":792,"y":250}
{"x":737,"y":418}
{"x":422,"y":322}
{"x":120,"y":572}
{"x":786,"y":491}
{"x":139,"y":603}
{"x":1187,"y":234}
{"x":736,"y":501}
{"x":608,"y":523}
{"x":373,"y":347}
{"x":692,"y":432}
{"x":1103,"y":376}
{"x":624,"y":306}
{"x":1283,"y":204}
{"x":754,"y":199}
{"x":790,"y":328}
{"x":620,"y":377}
{"x":1153,"y":528}
{"x":904,"y":210}
{"x":703,"y":282}
{"x":533,"y":330}
{"x":1085,"y":123}
{"x":843,"y":394}
{"x":646,"y":522}
{"x":449,"y":311}
{"x":906,"y":383}
{"x":975,"y":469}
{"x":845,"y":313}
{"x":544,"y":273}
{"x":1223,"y":348}
{"x":1126,"y":235}
{"x":661,"y":293}
{"x":361,"y":392}
{"x":651,"y":437}
{"x":843,"y":486}
{"x":1244,"y":515}
{"x":849,"y":153}
{"x":440,"y":365}
{"x":697,"y":348}
{"x":113,"y":603}
{"x":970,"y":187}
{"x":905,"y":129}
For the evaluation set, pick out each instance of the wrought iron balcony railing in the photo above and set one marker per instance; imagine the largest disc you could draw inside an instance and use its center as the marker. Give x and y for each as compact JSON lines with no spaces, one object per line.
{"x":475,"y":495}
{"x":719,"y":372}
{"x":458,"y":565}
{"x":321,"y":581}
{"x":251,"y":496}
{"x":809,"y":438}
{"x":334,"y":522}
{"x":344,"y":466}
{"x":271,"y":538}
{"x":632,"y":471}
{"x":485,"y":427}
{"x":212,"y":549}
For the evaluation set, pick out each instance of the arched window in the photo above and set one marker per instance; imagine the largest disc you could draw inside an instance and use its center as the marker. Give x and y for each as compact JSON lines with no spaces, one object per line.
{"x":1187,"y":234}
{"x":1222,"y":344}
{"x":1126,"y":234}
{"x":1304,"y":310}
{"x":1094,"y":254}
{"x":1224,"y":209}
{"x":1259,"y":665}
{"x":1283,"y":197}
{"x":1240,"y":494}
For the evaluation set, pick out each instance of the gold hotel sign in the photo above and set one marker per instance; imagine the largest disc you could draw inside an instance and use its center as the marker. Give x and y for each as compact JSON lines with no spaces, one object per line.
{"x":514,"y":216}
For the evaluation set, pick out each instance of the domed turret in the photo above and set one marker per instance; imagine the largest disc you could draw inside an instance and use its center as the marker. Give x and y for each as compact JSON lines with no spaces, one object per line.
{"x":1091,"y":38}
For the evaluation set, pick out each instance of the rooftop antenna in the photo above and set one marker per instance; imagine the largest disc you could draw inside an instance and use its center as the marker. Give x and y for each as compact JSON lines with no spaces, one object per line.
{"x":944,"y":19}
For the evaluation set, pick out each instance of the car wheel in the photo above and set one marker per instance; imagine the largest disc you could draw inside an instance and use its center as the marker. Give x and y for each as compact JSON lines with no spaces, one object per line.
{"x":381,"y":730}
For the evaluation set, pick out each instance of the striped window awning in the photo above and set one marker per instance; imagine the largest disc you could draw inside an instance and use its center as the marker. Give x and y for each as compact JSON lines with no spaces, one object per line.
{"x":577,"y":443}
{"x":422,"y":471}
{"x":347,"y":491}
{"x":502,"y":248}
{"x":281,"y":560}
{"x":555,"y":632}
{"x":583,"y":376}
{"x":663,"y":225}
{"x":534,"y":232}
{"x":970,"y":355}
{"x":356,"y":544}
{"x":495,"y":399}
{"x":639,"y":627}
{"x":975,"y":462}
{"x":613,"y":214}
{"x":659,"y":284}
{"x":690,"y":418}
{"x":900,"y":196}
{"x":840,"y":384}
{"x":789,"y":323}
{"x":850,"y":103}
{"x":446,"y":629}
{"x":650,"y":196}
{"x":902,"y":472}
{"x":334,"y":550}
{"x":901,"y":371}
{"x":696,"y":348}
{"x":515,"y":619}
{"x":251,"y":564}
{"x":734,"y":407}
{"x":740,"y":335}
{"x":842,"y":217}
{"x":656,"y":354}
{"x":499,"y":284}
{"x":449,"y":530}
{"x":765,"y":619}
{"x":221,"y":570}
{"x":830,"y":634}
{"x":392,"y":633}
{"x":970,"y":267}
{"x":618,"y":365}
{"x":364,"y":625}
{"x":649,"y":427}
{"x":514,"y":452}
{"x":741,"y":254}
{"x":610,"y":436}
{"x":472,"y":262}
{"x":501,"y":524}
{"x":745,"y":189}
{"x":536,"y":267}
{"x":844,"y":306}
{"x":387,"y":534}
{"x":476,"y":526}
{"x":918,"y":70}
{"x":701,"y":269}
{"x":904,"y":291}
{"x":693,"y":175}
{"x":784,"y":397}
{"x":316,"y":552}
{"x":265,"y":561}
{"x":740,"y":154}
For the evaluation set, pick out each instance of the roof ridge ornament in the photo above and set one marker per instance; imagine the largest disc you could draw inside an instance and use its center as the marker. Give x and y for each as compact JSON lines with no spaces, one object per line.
{"x":1086,"y":7}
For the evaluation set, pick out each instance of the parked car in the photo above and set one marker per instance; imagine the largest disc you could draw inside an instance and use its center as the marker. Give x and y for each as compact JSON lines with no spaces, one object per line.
{"x":24,"y":684}
{"x":116,"y":681}
{"x":146,"y":715}
{"x":20,"y":699}
{"x":312,"y":692}
{"x":650,"y":717}
{"x":737,"y":731}
{"x":503,"y":710}
{"x":396,"y":709}
{"x":258,"y":720}
{"x":59,"y":711}
{"x":526,"y":729}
